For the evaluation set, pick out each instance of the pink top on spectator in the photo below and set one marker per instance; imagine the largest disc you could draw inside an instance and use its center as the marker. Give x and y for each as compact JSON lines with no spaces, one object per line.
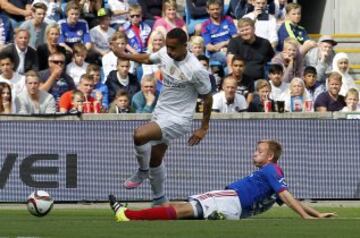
{"x":167,"y":25}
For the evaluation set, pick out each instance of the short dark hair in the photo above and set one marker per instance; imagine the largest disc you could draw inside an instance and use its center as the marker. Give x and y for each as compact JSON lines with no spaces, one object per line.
{"x":179,"y":34}
{"x":211,"y":2}
{"x":4,"y":55}
{"x":310,"y":70}
{"x":203,"y":58}
{"x":276,"y":68}
{"x":237,"y":58}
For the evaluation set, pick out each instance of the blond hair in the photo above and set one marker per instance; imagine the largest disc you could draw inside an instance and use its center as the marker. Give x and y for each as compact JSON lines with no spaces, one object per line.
{"x":262,"y":83}
{"x":167,"y":4}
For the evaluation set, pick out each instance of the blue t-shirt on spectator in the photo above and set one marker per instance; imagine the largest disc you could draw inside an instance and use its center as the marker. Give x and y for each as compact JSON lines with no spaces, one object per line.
{"x":213,"y":33}
{"x":298,"y":32}
{"x":325,"y":100}
{"x":79,"y":33}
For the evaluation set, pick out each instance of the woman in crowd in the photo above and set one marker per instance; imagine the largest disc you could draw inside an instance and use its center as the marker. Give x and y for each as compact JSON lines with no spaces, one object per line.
{"x":5,"y":99}
{"x":296,"y":99}
{"x":341,"y":65}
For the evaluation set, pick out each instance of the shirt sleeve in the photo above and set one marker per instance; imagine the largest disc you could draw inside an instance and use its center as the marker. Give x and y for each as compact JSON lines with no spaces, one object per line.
{"x":155,"y":57}
{"x":276,"y":178}
{"x":202,"y":81}
{"x":86,"y":36}
{"x":205,"y":33}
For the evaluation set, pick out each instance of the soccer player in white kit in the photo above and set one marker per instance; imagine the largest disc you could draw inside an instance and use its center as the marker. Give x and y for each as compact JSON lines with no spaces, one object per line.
{"x":184,"y":79}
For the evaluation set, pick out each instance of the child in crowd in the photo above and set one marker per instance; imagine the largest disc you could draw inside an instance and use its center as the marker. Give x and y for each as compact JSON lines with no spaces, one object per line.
{"x":352,"y":101}
{"x":291,"y":60}
{"x":296,"y":99}
{"x":101,"y":33}
{"x":312,"y":86}
{"x":109,"y":60}
{"x":137,"y":31}
{"x":261,"y":97}
{"x":278,"y":86}
{"x":122,"y":79}
{"x":291,"y":28}
{"x":100,"y":88}
{"x":197,"y":46}
{"x":78,"y":65}
{"x":73,"y":29}
{"x":121,"y":103}
{"x":77,"y":102}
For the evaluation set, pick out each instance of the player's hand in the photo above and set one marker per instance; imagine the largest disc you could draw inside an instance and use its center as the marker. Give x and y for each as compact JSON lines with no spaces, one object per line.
{"x":327,"y":214}
{"x":197,"y":136}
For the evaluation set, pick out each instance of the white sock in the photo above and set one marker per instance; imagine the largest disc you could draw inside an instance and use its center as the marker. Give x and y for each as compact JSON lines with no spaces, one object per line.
{"x":142,"y":155}
{"x":157,"y":177}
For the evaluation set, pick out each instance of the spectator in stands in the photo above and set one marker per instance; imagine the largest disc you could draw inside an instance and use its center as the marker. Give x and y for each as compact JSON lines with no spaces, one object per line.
{"x":86,"y":86}
{"x":52,"y":35}
{"x":93,"y":71}
{"x":54,"y":79}
{"x":121,"y":103}
{"x":102,"y":33}
{"x":217,"y":32}
{"x":72,"y":29}
{"x":321,"y":57}
{"x":156,"y":42}
{"x":24,"y":57}
{"x":262,"y":95}
{"x":277,"y":7}
{"x":238,"y":8}
{"x":78,"y":65}
{"x":89,"y":9}
{"x":331,"y":100}
{"x":77,"y":102}
{"x":276,"y":80}
{"x":109,"y":60}
{"x":119,"y":11}
{"x":145,"y":100}
{"x":215,"y":85}
{"x":197,"y":45}
{"x":197,"y":11}
{"x":152,"y":10}
{"x":245,"y":86}
{"x":122,"y":79}
{"x":137,"y":31}
{"x":296,"y":96}
{"x":228,"y":100}
{"x":9,"y":76}
{"x":17,"y":11}
{"x":169,"y":19}
{"x":36,"y":26}
{"x":352,"y":101}
{"x":33,"y":100}
{"x":254,"y":50}
{"x":5,"y":98}
{"x":341,"y":65}
{"x":312,"y":86}
{"x":291,"y":28}
{"x":53,"y":13}
{"x":265,"y":23}
{"x":6,"y":30}
{"x":291,"y":60}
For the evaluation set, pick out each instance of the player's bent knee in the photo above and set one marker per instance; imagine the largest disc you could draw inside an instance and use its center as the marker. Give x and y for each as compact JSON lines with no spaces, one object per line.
{"x":139,"y":137}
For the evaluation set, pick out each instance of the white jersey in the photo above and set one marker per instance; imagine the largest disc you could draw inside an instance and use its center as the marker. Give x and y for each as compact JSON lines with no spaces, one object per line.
{"x":220,"y":104}
{"x":183,"y":81}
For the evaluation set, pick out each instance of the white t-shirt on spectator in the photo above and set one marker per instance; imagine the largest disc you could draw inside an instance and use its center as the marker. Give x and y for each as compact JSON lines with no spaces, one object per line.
{"x":109,"y":63}
{"x":75,"y":71}
{"x":266,"y":29}
{"x":277,"y":92}
{"x":220,"y":103}
{"x":116,"y":5}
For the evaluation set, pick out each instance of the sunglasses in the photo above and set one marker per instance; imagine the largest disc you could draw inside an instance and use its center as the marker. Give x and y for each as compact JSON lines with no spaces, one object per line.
{"x":137,"y":15}
{"x":57,"y":62}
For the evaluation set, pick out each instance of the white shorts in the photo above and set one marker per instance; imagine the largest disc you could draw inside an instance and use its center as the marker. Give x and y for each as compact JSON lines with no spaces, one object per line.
{"x":225,"y":201}
{"x":171,"y":128}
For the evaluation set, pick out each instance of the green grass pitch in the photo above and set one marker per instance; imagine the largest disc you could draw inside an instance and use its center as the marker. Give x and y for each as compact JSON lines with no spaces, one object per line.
{"x":278,"y":222}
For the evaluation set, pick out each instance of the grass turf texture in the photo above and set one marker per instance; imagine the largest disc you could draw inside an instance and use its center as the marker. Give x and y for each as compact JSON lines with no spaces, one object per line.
{"x":278,"y":222}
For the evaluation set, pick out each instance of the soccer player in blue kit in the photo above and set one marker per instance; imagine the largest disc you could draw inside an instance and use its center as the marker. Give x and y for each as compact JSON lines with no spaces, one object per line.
{"x":243,"y":198}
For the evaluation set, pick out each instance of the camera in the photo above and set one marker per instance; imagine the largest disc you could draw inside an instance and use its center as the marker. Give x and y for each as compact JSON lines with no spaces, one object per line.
{"x":263,"y":16}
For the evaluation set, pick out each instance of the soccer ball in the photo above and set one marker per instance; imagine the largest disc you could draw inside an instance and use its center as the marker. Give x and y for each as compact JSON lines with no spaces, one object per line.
{"x":39,"y":203}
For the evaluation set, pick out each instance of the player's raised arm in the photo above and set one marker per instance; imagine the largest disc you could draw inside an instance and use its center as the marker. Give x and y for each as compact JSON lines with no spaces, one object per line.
{"x":200,"y":133}
{"x":140,"y":58}
{"x":304,"y":211}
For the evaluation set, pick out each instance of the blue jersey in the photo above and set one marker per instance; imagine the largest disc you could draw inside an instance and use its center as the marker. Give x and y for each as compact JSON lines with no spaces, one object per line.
{"x":79,"y":33}
{"x":294,"y":31}
{"x":258,"y":192}
{"x":213,"y":33}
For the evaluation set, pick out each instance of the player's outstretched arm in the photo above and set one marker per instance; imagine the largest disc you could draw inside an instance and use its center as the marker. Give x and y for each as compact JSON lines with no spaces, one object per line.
{"x":200,"y":133}
{"x":304,"y":211}
{"x":140,"y":58}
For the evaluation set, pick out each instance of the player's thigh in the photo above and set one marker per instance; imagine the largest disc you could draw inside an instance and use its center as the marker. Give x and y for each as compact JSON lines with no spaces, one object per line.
{"x":225,"y":201}
{"x":147,"y":132}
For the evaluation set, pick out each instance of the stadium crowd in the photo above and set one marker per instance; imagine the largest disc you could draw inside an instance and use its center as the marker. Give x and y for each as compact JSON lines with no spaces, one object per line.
{"x":58,"y":56}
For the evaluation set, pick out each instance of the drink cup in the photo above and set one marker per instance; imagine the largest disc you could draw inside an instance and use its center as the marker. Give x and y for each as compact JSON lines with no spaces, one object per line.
{"x":86,"y":107}
{"x":280,"y":106}
{"x":308,"y":105}
{"x":267,"y":106}
{"x":97,"y":107}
